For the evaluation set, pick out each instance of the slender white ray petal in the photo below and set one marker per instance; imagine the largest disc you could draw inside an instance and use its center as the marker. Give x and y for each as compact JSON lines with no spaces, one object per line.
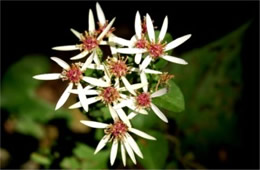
{"x":133,"y":145}
{"x":141,"y":134}
{"x":150,"y":28}
{"x":94,"y":124}
{"x":75,"y":106}
{"x":76,"y":33}
{"x":80,"y":55}
{"x":123,"y":117}
{"x":61,"y":63}
{"x":159,"y":93}
{"x":91,"y":22}
{"x":82,"y":97}
{"x":113,"y":50}
{"x":66,"y":48}
{"x":177,"y":42}
{"x":113,"y":113}
{"x":87,"y":62}
{"x":133,"y":69}
{"x":119,"y":41}
{"x":142,"y":111}
{"x":94,"y":66}
{"x":163,"y":29}
{"x":103,"y":43}
{"x":128,"y":85}
{"x":64,"y":96}
{"x":144,"y":81}
{"x":47,"y":76}
{"x":93,"y":99}
{"x":133,"y":41}
{"x":149,"y":71}
{"x":107,"y":74}
{"x":100,"y":14}
{"x":117,"y":84}
{"x":131,"y":50}
{"x":133,"y":107}
{"x":123,"y":153}
{"x":91,"y":92}
{"x":158,"y":112}
{"x":138,"y":58}
{"x":96,"y":59}
{"x":104,"y":32}
{"x":134,"y":86}
{"x":122,"y":104}
{"x":129,"y":151}
{"x":138,"y":25}
{"x":131,"y":115}
{"x":102,"y":143}
{"x":174,"y":59}
{"x":95,"y":81}
{"x":113,"y":152}
{"x":145,"y":62}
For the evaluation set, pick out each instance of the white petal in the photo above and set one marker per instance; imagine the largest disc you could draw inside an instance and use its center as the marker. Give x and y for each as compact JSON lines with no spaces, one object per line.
{"x":150,"y":28}
{"x":103,"y":43}
{"x":163,"y":29}
{"x":130,"y":50}
{"x":123,"y":117}
{"x":123,"y":153}
{"x":174,"y":59}
{"x":100,"y":14}
{"x":133,"y":145}
{"x":48,"y":76}
{"x":91,"y":92}
{"x":75,"y":106}
{"x":94,"y":124}
{"x":138,"y":58}
{"x":104,"y":32}
{"x":134,"y":86}
{"x":133,"y":41}
{"x":76,"y":33}
{"x":96,"y":59}
{"x":141,"y":134}
{"x":144,"y":81}
{"x":102,"y":143}
{"x":94,"y":66}
{"x":82,"y":97}
{"x":64,"y":96}
{"x":158,"y":112}
{"x":113,"y":152}
{"x":61,"y":63}
{"x":138,"y":25}
{"x":113,"y":113}
{"x":149,"y":71}
{"x":93,"y":100}
{"x":177,"y":42}
{"x":128,"y":85}
{"x":119,"y":41}
{"x":159,"y":93}
{"x":87,"y":62}
{"x":66,"y":48}
{"x":121,"y":104}
{"x":129,"y":151}
{"x":145,"y":62}
{"x":91,"y":22}
{"x":95,"y":81}
{"x":80,"y":55}
{"x":113,"y":50}
{"x":116,"y":85}
{"x":131,"y":115}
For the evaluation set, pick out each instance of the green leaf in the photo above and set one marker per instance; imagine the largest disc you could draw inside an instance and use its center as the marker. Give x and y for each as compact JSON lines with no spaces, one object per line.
{"x":89,"y":160}
{"x":69,"y":163}
{"x":43,"y":160}
{"x":155,"y":152}
{"x":173,"y":100}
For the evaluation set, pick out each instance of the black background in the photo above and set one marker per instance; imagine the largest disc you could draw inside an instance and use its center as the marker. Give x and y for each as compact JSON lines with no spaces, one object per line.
{"x":35,"y":27}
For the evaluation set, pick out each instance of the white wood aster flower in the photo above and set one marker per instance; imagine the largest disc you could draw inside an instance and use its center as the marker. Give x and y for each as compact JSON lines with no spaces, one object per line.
{"x":118,"y":133}
{"x":154,"y":47}
{"x":74,"y":74}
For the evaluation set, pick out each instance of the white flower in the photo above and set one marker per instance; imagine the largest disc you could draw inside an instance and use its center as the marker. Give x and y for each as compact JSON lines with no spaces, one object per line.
{"x":155,"y":48}
{"x":141,"y":102}
{"x":90,"y":40}
{"x":118,"y":132}
{"x":74,"y":74}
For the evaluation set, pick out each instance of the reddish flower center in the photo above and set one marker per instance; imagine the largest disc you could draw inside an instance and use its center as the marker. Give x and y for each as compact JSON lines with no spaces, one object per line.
{"x":155,"y":50}
{"x":109,"y":95}
{"x":119,"y":129}
{"x":118,"y":68}
{"x":143,"y":100}
{"x":90,"y":42}
{"x":74,"y":74}
{"x":141,"y":43}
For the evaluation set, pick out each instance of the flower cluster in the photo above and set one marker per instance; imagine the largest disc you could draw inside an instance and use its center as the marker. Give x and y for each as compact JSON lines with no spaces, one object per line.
{"x":124,"y":84}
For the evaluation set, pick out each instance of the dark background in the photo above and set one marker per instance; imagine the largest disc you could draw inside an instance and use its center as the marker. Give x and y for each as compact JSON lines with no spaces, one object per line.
{"x":35,"y":27}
